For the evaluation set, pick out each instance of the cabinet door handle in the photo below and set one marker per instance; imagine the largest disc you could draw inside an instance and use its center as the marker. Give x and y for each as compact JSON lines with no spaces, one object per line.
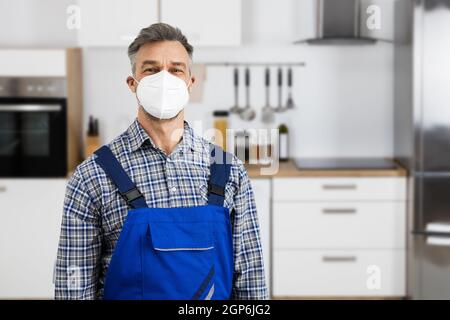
{"x":339,"y":259}
{"x":338,"y":211}
{"x":339,"y":186}
{"x":3,"y":189}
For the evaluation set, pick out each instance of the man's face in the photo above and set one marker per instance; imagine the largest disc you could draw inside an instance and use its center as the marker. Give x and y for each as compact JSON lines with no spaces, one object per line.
{"x":154,"y":57}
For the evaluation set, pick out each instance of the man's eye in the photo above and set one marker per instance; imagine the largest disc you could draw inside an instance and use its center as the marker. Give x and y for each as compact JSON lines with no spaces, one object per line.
{"x":176,"y":70}
{"x":152,"y":70}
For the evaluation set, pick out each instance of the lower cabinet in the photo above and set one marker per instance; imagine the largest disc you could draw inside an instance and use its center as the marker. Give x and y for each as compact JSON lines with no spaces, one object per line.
{"x":31,"y":212}
{"x":339,"y":237}
{"x":262,"y":192}
{"x":330,"y":242}
{"x":334,"y":273}
{"x":336,"y":225}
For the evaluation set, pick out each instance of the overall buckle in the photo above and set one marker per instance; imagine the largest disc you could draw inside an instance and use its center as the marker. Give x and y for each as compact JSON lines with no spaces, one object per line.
{"x":216,"y":189}
{"x":131,"y":195}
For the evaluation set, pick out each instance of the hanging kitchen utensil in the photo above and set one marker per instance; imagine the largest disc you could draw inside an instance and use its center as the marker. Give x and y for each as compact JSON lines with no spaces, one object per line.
{"x":247,"y":113}
{"x":236,"y":108}
{"x":279,"y":108}
{"x":290,"y":101}
{"x":268,"y":114}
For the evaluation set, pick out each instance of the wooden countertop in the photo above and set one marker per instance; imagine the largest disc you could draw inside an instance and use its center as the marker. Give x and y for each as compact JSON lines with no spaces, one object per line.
{"x":288,"y":169}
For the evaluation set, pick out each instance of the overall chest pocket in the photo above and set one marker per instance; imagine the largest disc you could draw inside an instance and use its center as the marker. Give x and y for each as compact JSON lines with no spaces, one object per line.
{"x":178,"y":260}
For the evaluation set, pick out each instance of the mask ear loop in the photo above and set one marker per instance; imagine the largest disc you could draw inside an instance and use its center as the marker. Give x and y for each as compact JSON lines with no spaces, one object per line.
{"x":136,"y":91}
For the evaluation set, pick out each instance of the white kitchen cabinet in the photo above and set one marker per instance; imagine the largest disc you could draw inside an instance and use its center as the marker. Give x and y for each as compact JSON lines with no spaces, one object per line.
{"x":31,"y":212}
{"x":334,"y":273}
{"x":205,"y":22}
{"x":339,"y":236}
{"x":262,"y":192}
{"x":114,"y":22}
{"x":33,"y":63}
{"x":339,"y":225}
{"x":339,"y":189}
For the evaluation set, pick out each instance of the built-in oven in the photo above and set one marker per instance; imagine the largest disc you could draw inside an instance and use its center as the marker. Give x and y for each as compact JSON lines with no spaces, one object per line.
{"x":33,"y":127}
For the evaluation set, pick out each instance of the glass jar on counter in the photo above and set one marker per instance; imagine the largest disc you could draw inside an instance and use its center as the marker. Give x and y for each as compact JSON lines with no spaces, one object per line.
{"x":220,"y":126}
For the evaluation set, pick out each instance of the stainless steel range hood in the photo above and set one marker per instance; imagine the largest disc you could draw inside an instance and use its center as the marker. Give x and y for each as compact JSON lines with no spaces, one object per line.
{"x":348,"y":21}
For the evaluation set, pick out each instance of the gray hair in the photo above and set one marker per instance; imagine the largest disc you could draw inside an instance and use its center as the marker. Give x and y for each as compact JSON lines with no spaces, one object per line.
{"x":155,"y":33}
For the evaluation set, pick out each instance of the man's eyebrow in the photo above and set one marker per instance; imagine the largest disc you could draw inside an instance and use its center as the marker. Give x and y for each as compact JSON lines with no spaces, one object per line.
{"x":178,"y":63}
{"x":151,"y":62}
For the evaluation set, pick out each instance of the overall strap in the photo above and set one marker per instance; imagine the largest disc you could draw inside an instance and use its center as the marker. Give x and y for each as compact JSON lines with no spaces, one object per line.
{"x":127,"y":189}
{"x":219,"y":175}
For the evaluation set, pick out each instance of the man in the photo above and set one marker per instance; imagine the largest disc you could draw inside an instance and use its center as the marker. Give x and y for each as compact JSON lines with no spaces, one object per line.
{"x":155,"y":214}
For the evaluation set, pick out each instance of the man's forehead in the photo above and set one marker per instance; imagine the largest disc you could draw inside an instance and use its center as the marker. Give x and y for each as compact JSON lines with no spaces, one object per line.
{"x":163,"y":51}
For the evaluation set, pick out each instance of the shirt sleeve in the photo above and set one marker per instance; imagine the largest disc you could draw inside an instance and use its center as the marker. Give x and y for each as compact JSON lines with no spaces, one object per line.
{"x":249,"y":277}
{"x":79,"y":249}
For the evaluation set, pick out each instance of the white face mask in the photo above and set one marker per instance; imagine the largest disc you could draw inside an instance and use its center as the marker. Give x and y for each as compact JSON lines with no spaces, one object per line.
{"x":162,"y":94}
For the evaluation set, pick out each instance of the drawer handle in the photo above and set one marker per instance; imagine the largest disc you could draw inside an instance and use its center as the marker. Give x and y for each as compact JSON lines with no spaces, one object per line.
{"x":339,"y":186}
{"x":339,"y":259}
{"x":338,"y":211}
{"x":3,"y":189}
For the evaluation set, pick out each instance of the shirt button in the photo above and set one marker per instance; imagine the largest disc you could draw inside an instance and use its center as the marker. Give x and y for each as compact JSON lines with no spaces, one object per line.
{"x":173,"y":189}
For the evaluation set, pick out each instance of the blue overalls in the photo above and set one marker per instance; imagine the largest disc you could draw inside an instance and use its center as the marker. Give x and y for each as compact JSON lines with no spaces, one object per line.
{"x":171,"y":253}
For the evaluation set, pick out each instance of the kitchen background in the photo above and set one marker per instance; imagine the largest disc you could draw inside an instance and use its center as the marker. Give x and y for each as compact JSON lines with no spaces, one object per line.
{"x":340,"y":230}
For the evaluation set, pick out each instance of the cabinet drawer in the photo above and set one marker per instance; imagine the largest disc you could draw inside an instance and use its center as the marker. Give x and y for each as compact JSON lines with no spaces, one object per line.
{"x":378,"y":225}
{"x":339,"y":273}
{"x":339,"y":189}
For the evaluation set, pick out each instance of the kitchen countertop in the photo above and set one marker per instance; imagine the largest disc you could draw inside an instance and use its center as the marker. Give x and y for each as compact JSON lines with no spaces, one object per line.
{"x":289,"y":169}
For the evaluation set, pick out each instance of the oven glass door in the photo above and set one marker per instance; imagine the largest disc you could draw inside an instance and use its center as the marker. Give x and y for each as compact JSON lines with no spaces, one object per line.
{"x":33,"y":138}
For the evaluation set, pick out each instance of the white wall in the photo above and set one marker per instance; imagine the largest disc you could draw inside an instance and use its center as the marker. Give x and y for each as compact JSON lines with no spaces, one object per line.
{"x":344,"y":94}
{"x":105,"y":92}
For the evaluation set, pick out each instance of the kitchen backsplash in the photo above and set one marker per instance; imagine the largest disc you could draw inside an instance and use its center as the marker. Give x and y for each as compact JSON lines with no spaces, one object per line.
{"x":336,"y":113}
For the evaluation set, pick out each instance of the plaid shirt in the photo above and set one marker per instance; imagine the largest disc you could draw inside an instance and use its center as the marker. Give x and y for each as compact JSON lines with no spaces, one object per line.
{"x":94,"y":211}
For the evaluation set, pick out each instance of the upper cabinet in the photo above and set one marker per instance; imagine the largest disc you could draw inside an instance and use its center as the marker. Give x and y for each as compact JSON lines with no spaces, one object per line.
{"x":205,"y":22}
{"x":116,"y":23}
{"x":112,"y":22}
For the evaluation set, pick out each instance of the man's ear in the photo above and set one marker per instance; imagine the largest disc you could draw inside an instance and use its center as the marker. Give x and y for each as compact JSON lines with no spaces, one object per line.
{"x":132,"y":84}
{"x":192,"y":84}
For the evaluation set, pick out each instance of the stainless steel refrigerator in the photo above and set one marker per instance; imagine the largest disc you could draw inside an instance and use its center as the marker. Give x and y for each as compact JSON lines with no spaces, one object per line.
{"x":422,"y":144}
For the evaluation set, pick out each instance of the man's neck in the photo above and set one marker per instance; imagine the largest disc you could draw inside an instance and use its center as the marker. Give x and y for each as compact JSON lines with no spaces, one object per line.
{"x":166,"y":134}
